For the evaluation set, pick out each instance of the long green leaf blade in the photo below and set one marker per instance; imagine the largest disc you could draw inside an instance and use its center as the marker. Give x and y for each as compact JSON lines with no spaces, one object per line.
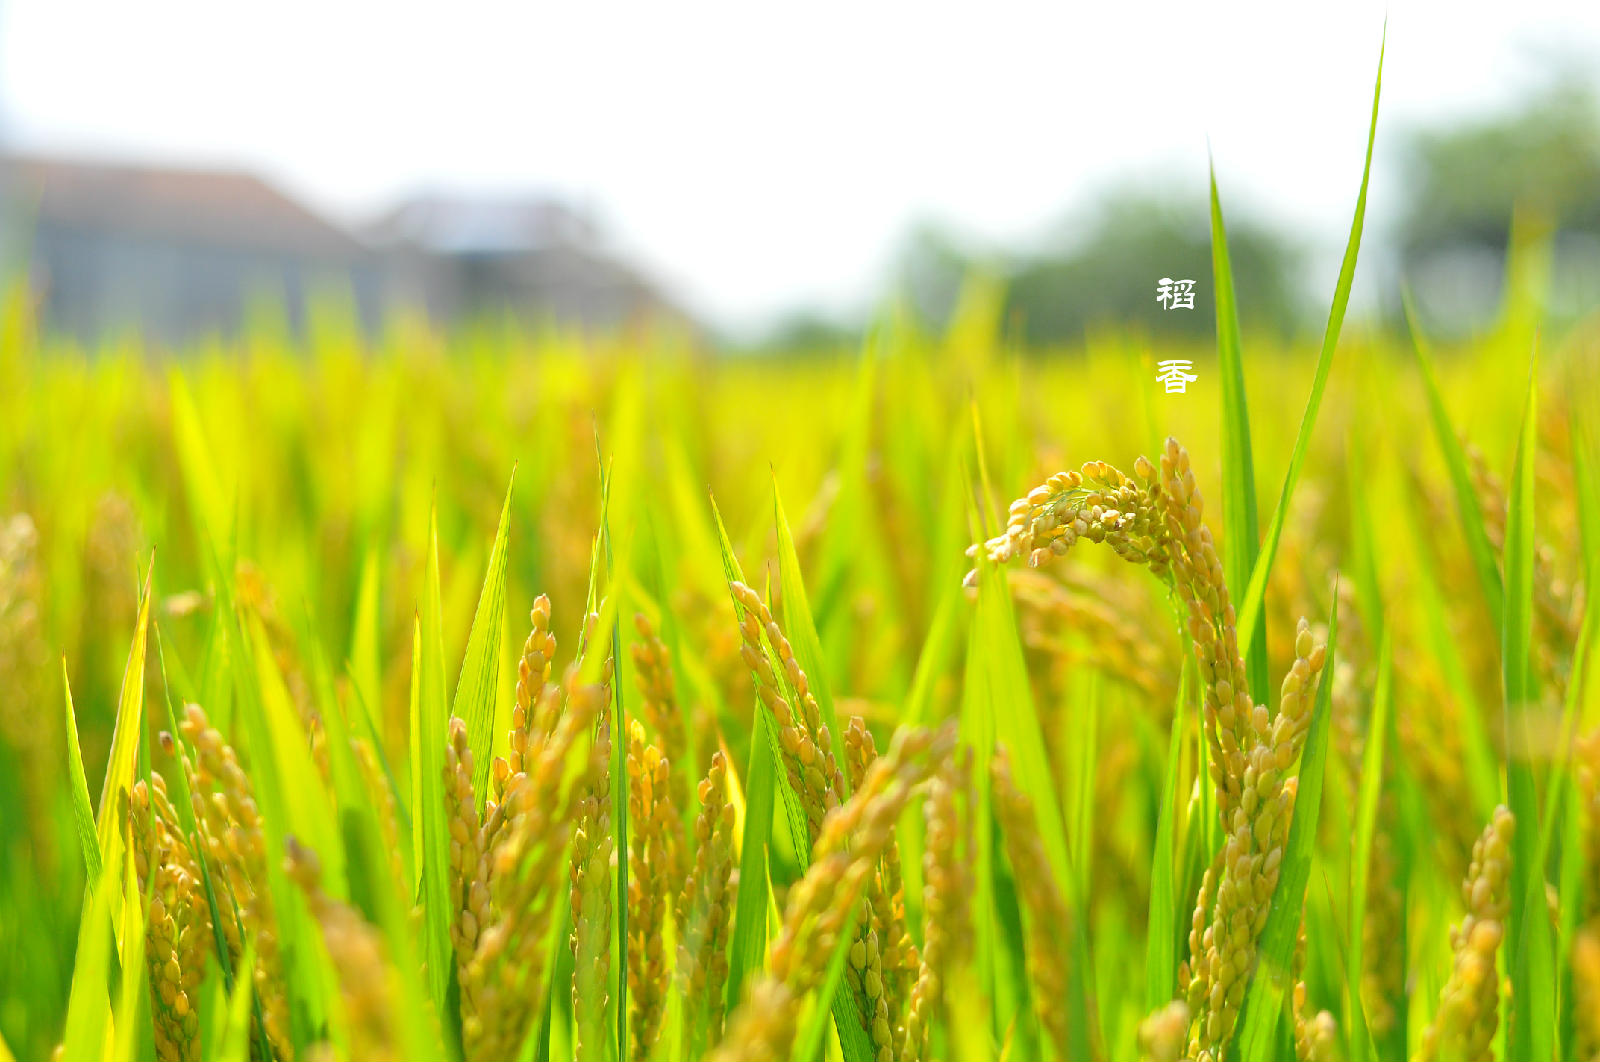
{"x":749,"y":945}
{"x":1161,"y":943}
{"x":802,"y":633}
{"x":125,"y":742}
{"x":1255,"y":594}
{"x":1239,"y":518}
{"x":428,"y":810}
{"x":479,"y":679}
{"x":1379,"y":734}
{"x":1467,"y":508}
{"x":82,"y":813}
{"x":88,"y":1030}
{"x":1531,"y":1028}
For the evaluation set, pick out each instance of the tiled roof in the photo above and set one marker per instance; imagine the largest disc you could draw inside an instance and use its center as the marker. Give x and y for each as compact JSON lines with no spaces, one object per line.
{"x":215,"y":207}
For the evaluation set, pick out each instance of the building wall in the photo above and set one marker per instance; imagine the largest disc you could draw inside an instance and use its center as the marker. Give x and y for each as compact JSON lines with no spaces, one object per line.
{"x":97,"y":282}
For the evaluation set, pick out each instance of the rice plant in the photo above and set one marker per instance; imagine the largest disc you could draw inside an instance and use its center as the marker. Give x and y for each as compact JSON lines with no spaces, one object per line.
{"x":319,"y":740}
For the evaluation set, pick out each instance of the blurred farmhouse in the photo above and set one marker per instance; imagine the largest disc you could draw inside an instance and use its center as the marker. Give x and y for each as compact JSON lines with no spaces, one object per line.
{"x":180,"y":254}
{"x":461,"y":257}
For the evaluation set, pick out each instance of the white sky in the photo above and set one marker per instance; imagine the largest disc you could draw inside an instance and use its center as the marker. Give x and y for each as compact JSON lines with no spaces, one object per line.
{"x":756,"y":159}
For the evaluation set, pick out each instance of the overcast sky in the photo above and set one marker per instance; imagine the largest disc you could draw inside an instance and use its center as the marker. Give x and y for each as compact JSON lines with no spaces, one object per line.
{"x":756,"y":158}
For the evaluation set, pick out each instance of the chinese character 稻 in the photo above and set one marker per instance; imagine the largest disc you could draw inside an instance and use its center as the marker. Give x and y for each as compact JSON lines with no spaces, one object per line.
{"x":1175,"y":374}
{"x":1175,"y":294}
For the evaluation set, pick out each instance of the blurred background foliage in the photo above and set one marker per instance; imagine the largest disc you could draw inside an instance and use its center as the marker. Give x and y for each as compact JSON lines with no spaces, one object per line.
{"x":1448,"y":239}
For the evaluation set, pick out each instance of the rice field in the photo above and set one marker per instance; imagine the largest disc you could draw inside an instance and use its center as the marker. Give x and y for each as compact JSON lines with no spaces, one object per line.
{"x":509,"y":694}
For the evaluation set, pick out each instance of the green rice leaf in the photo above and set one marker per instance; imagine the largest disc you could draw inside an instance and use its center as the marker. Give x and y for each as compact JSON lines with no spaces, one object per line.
{"x":802,"y":635}
{"x":124,"y":745}
{"x":212,"y":508}
{"x":749,"y":945}
{"x":619,"y":745}
{"x":1240,"y":522}
{"x":479,"y":679}
{"x":234,"y":1042}
{"x":1161,"y":937}
{"x":999,"y":691}
{"x":1380,"y":732}
{"x":366,"y":666}
{"x":1531,"y":1027}
{"x":82,"y":814}
{"x":129,"y":1019}
{"x":1455,"y":458}
{"x":800,"y":628}
{"x":1255,"y":594}
{"x":88,"y":1031}
{"x":429,"y":720}
{"x":1480,"y":759}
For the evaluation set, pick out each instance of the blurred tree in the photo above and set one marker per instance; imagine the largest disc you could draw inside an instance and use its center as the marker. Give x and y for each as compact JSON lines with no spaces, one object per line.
{"x":1465,"y":181}
{"x":1103,"y":267}
{"x":807,"y":331}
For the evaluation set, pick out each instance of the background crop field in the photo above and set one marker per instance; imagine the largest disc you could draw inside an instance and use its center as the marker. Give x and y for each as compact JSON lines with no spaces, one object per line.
{"x":771,"y":776}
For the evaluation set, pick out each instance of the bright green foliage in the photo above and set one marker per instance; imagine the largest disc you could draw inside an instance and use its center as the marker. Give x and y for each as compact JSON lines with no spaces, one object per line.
{"x":337,"y":549}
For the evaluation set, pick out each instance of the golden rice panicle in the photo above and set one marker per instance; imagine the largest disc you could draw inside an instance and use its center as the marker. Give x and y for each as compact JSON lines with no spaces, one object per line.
{"x":533,"y":674}
{"x":235,"y":841}
{"x":177,"y":920}
{"x":948,"y":856}
{"x":653,"y":822}
{"x":1316,"y":1038}
{"x":1076,"y":626}
{"x":464,"y":839}
{"x":592,"y":846}
{"x":705,"y":908}
{"x":763,"y":1027}
{"x":1315,"y":1032}
{"x":1556,"y":611}
{"x":1429,"y":729}
{"x":1285,"y":733}
{"x":1155,"y":520}
{"x":853,"y":839}
{"x":1383,"y":981}
{"x":659,"y":695}
{"x":591,"y":630}
{"x":1252,"y":855}
{"x":1196,"y":969}
{"x":1469,"y":1004}
{"x":35,"y":736}
{"x":1049,"y":919}
{"x":883,"y":954}
{"x":1162,"y":1034}
{"x":506,"y":978}
{"x":1383,"y":965}
{"x":360,"y":959}
{"x":1586,"y":762}
{"x":1586,"y":942}
{"x":808,"y":756}
{"x":1197,"y":577}
{"x":1099,"y":503}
